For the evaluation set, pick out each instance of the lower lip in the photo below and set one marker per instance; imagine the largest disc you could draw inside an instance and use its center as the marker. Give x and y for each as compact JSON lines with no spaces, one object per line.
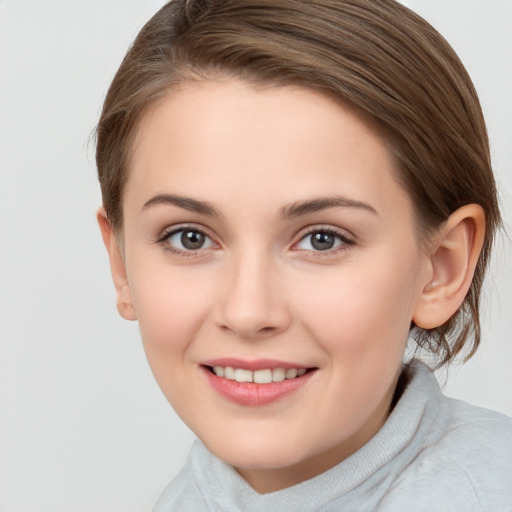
{"x":251,"y":394}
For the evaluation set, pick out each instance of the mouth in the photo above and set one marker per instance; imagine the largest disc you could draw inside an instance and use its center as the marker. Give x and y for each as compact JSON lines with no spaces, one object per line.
{"x":262,"y":376}
{"x":257,"y":383}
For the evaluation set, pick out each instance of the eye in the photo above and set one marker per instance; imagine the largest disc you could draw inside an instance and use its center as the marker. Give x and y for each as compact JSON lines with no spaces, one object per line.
{"x":322,"y":240}
{"x":187,"y":239}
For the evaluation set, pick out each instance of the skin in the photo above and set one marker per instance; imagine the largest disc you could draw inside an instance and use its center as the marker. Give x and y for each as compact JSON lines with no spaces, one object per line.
{"x":258,"y":288}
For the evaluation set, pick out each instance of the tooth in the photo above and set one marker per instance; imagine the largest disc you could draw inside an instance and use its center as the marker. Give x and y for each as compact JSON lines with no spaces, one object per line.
{"x":301,"y":372}
{"x":291,"y":373}
{"x":243,"y":375}
{"x":219,"y":371}
{"x":278,"y":374}
{"x":229,"y":373}
{"x":263,"y":376}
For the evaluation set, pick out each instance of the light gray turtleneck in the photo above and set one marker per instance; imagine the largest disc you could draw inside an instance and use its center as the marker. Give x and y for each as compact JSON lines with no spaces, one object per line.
{"x":433,"y":454}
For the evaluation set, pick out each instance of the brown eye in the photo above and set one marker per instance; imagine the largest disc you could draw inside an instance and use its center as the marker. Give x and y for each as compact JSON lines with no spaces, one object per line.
{"x":323,"y":240}
{"x":192,"y":240}
{"x":188,"y":240}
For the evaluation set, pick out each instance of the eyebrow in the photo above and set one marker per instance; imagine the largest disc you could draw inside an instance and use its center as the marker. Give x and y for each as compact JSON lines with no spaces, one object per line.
{"x":187,"y":203}
{"x":293,"y":210}
{"x":314,"y":205}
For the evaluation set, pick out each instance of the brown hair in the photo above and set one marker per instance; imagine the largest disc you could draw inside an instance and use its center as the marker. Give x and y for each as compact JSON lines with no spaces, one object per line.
{"x":377,"y":56}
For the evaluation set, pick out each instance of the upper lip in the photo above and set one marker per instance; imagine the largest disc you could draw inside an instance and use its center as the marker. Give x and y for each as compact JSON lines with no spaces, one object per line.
{"x":253,"y":364}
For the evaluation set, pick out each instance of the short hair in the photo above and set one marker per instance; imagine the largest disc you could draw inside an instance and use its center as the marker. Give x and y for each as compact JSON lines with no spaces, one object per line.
{"x":377,"y":57}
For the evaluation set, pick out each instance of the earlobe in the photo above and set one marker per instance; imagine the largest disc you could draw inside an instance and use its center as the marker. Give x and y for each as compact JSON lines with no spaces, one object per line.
{"x":454,"y":258}
{"x":117,"y":267}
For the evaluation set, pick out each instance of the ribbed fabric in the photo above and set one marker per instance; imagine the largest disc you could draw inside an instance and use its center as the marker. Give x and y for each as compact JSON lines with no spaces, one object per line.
{"x":433,"y":454}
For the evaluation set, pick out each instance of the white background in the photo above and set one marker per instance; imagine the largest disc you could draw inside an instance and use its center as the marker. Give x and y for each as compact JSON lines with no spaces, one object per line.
{"x":83,"y":426}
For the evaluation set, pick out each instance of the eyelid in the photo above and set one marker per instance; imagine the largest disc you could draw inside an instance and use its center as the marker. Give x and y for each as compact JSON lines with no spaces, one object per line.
{"x":172,"y":230}
{"x":347,"y":238}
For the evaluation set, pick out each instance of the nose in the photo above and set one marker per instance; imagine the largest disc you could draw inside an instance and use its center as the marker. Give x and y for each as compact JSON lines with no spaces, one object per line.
{"x":252,"y":303}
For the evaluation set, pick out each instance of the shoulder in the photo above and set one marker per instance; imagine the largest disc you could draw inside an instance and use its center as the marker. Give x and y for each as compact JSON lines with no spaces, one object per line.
{"x":204,"y":484}
{"x":478,"y":440}
{"x":469,"y":466}
{"x":183,"y":493}
{"x":467,"y":419}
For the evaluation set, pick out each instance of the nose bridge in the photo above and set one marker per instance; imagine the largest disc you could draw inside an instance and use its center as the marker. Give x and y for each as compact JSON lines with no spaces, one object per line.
{"x":253,"y":303}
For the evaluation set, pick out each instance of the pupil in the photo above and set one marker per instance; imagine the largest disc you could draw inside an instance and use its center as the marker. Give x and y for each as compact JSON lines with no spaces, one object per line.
{"x":322,"y":241}
{"x":192,"y":240}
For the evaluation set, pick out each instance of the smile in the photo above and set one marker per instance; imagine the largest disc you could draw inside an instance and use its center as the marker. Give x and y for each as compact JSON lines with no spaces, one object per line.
{"x":257,"y":383}
{"x":264,"y":376}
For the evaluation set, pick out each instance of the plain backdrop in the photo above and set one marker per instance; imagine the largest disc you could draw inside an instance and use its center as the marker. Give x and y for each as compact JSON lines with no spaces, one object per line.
{"x":83,"y":426}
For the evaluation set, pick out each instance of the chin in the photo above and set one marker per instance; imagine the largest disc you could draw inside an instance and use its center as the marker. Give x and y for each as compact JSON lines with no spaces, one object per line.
{"x":263,"y":453}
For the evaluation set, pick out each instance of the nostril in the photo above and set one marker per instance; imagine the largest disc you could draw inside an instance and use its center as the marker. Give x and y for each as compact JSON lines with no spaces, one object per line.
{"x":250,"y":333}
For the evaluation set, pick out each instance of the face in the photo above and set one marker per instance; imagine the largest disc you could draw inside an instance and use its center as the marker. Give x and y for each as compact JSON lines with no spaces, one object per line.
{"x":265,"y":238}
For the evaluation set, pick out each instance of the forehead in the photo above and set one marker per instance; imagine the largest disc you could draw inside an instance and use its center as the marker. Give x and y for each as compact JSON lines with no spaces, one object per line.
{"x":217,"y":138}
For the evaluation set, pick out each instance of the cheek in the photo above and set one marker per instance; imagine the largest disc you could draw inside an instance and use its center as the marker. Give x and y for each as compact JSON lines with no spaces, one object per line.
{"x":171,"y":309}
{"x":170,"y":306}
{"x":364,"y":307}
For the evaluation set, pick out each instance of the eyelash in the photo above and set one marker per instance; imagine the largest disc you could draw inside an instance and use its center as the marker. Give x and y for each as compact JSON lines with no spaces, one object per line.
{"x":346,"y":242}
{"x":166,"y":235}
{"x":183,"y":253}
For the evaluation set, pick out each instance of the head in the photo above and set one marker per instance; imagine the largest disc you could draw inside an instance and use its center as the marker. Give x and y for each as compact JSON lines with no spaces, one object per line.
{"x":387,"y":77}
{"x":396,"y":71}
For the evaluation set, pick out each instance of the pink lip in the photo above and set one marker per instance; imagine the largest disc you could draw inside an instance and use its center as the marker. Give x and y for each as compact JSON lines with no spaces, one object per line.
{"x":250,"y":393}
{"x":257,"y":364}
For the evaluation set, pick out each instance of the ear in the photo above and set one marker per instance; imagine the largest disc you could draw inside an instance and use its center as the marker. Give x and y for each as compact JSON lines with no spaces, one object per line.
{"x":117,"y":267}
{"x":453,"y":262}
